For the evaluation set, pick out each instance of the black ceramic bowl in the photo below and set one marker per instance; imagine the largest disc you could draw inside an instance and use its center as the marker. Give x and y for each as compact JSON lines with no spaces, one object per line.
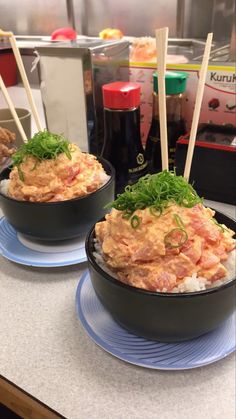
{"x":159,"y":316}
{"x":58,"y":220}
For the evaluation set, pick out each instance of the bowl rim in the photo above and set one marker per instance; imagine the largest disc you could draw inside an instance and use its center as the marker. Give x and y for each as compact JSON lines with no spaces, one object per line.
{"x":25,"y":114}
{"x":56,"y":203}
{"x":91,"y":260}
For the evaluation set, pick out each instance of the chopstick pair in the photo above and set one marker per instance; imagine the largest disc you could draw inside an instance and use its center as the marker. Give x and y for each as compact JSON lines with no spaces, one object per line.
{"x":162,"y":41}
{"x":25,"y":81}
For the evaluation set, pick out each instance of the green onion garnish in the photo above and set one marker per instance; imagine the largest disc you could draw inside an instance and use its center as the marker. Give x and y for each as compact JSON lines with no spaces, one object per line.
{"x":178,"y":221}
{"x":218,"y":224}
{"x":156,"y":192}
{"x":155,"y":211}
{"x":21,"y":174}
{"x":43,"y":146}
{"x":135,"y":221}
{"x":175,"y":238}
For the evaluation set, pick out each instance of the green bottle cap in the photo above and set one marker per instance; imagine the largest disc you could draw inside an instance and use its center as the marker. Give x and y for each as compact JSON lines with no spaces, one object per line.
{"x":175,"y":82}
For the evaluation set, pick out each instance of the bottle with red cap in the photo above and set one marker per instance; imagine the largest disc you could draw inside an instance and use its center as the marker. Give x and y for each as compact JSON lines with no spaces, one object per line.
{"x":122,"y":140}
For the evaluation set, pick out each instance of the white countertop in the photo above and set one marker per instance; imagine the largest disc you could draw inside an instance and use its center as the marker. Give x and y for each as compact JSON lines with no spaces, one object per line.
{"x":45,"y":351}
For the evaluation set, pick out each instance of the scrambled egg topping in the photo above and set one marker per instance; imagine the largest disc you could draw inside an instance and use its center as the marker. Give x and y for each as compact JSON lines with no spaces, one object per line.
{"x":57,"y":179}
{"x":144,"y":258}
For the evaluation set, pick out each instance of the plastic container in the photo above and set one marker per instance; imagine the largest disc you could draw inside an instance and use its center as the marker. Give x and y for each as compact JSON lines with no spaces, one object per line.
{"x":8,"y":69}
{"x":175,"y":87}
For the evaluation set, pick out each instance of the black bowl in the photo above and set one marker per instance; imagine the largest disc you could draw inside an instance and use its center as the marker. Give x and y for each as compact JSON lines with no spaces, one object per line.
{"x":167,"y":317}
{"x":58,"y":220}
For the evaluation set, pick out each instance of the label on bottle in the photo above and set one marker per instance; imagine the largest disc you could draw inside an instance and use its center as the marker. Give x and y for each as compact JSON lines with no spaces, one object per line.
{"x":123,"y":147}
{"x":142,"y":164}
{"x":138,"y":168}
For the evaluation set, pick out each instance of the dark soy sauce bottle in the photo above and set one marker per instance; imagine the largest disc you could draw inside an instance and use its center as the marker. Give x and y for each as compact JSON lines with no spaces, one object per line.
{"x":122,"y":141}
{"x":175,"y":96}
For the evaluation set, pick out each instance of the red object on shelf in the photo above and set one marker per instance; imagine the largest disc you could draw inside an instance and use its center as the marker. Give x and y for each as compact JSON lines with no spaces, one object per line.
{"x":64,"y":34}
{"x":8,"y":68}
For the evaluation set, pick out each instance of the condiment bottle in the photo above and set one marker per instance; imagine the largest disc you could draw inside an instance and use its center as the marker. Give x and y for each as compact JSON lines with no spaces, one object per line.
{"x":175,"y":83}
{"x":122,"y":140}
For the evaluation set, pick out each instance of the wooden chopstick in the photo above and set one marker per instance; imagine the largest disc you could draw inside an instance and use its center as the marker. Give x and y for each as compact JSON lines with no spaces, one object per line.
{"x":197,"y":108}
{"x":4,"y":33}
{"x":24,"y":78}
{"x":161,"y":42}
{"x":12,"y":109}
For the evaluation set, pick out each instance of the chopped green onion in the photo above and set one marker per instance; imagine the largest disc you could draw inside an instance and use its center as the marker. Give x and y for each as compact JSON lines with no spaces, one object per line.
{"x":218,"y":224}
{"x":43,"y":146}
{"x":126,"y":215}
{"x":178,"y":221}
{"x":157,"y":191}
{"x":140,"y":205}
{"x":135,"y":221}
{"x":21,"y":175}
{"x":155,"y":211}
{"x":172,"y":240}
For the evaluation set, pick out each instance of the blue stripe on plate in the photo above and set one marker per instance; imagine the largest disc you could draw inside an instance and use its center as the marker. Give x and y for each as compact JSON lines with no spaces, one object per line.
{"x":107,"y":334}
{"x":11,"y":248}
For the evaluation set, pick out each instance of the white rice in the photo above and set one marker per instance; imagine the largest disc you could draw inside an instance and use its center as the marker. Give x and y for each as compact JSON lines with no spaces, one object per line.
{"x":192,"y":283}
{"x":104,"y":178}
{"x":4,"y":184}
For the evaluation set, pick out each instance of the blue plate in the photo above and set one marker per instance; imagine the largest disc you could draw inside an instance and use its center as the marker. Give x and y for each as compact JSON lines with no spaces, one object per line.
{"x":25,"y":251}
{"x":106,"y":333}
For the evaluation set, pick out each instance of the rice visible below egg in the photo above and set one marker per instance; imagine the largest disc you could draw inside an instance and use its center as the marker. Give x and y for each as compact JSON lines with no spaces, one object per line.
{"x":4,"y":185}
{"x":189,"y":284}
{"x":104,"y":178}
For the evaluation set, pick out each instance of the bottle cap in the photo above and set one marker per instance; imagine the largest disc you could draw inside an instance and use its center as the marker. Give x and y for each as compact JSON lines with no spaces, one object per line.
{"x":175,"y":82}
{"x":121,"y":95}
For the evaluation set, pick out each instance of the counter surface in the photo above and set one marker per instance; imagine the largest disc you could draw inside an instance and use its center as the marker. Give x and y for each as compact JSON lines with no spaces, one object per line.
{"x":46,"y":352}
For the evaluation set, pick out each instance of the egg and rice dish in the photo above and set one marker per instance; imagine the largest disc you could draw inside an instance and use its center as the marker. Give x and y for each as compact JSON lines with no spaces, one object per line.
{"x":48,"y":168}
{"x":160,"y":237}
